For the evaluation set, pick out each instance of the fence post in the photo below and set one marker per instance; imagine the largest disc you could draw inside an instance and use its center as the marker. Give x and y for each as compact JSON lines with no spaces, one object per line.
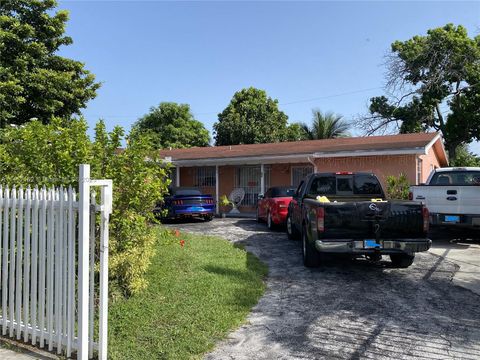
{"x":106,"y":193}
{"x":83,"y":260}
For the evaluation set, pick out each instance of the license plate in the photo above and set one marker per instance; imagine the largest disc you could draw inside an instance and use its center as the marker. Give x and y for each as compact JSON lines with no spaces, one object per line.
{"x":452,"y":218}
{"x":196,"y":208}
{"x":371,"y":244}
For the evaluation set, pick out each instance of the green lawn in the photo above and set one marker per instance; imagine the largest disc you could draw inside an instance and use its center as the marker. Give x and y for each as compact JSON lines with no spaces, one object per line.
{"x":196,"y":295}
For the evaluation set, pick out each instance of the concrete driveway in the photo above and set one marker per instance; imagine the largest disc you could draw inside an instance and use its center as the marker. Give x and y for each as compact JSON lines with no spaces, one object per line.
{"x":349,"y":309}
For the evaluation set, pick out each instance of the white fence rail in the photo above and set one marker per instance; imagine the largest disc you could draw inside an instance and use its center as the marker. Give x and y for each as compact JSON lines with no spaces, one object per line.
{"x":49,"y":296}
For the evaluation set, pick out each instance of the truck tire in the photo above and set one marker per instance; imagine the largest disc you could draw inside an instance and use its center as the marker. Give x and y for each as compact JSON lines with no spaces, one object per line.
{"x":402,"y":260}
{"x":292,"y":233}
{"x":311,"y":257}
{"x":270,"y":223}
{"x":258,"y":215}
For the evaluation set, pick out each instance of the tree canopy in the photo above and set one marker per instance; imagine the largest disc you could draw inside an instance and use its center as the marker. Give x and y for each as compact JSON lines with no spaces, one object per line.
{"x":173,"y":125}
{"x":34,"y":81}
{"x":325,"y":126}
{"x":434,"y":81}
{"x":252,"y":117}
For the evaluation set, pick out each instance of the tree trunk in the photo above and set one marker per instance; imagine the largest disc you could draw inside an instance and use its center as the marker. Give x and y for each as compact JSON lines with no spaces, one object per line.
{"x":452,"y":151}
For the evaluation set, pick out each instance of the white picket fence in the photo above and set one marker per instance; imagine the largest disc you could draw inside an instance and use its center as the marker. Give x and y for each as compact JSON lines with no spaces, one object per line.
{"x":48,"y":240}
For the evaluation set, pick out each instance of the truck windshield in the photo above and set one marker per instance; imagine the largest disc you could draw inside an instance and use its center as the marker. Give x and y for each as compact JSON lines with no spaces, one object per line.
{"x":458,"y":177}
{"x":359,"y":184}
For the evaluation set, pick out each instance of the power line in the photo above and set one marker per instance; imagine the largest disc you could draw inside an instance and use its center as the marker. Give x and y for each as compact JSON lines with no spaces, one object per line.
{"x":331,"y":96}
{"x":281,"y":104}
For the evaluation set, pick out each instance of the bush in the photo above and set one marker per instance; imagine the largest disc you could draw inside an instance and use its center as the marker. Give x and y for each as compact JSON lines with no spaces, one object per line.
{"x":398,"y":187}
{"x":49,"y":155}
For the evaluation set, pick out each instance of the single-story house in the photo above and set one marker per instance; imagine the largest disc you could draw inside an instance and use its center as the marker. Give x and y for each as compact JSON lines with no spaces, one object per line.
{"x":255,"y":167}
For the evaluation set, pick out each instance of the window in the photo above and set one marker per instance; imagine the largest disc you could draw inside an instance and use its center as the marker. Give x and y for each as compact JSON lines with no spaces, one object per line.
{"x":419,"y":171}
{"x":361,"y":184}
{"x":324,"y":185}
{"x":280,"y":191}
{"x":185,"y":192}
{"x":300,"y":188}
{"x":460,"y":178}
{"x":173,"y":176}
{"x":250,"y":178}
{"x":365,"y":184}
{"x":299,"y":173}
{"x":345,"y":185}
{"x":204,"y":176}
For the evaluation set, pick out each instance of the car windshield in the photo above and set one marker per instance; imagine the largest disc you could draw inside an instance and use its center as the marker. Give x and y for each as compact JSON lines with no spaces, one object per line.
{"x":459,"y":178}
{"x":282,"y":192}
{"x":185,"y":192}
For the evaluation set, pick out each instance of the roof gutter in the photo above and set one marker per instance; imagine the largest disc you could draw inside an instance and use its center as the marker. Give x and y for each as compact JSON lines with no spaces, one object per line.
{"x":407,"y":151}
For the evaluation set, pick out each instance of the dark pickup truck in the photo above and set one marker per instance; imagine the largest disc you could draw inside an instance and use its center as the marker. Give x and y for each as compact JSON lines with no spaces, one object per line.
{"x":345,"y":213}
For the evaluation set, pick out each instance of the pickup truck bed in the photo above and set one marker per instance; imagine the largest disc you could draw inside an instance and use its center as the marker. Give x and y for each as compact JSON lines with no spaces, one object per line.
{"x":452,"y":195}
{"x":356,"y":220}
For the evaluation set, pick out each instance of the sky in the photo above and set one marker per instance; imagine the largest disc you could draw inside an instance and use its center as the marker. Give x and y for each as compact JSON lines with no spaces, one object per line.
{"x":326,"y":55}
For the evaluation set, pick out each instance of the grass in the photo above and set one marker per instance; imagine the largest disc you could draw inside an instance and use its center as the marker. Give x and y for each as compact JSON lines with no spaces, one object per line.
{"x":197,"y":294}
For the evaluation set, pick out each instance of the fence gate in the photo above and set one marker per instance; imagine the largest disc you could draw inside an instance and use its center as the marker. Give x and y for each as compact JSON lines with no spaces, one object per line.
{"x":50,"y":295}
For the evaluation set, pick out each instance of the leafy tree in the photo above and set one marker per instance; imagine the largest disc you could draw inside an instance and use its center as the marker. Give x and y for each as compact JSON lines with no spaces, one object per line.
{"x":251,"y":118}
{"x":435,"y":82}
{"x":295,"y":132}
{"x":463,"y":157}
{"x":49,"y":155}
{"x":326,"y":126}
{"x":34,"y":81}
{"x":173,"y":125}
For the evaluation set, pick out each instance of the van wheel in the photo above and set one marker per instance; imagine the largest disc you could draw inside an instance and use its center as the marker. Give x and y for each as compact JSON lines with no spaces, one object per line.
{"x":402,"y":260}
{"x":292,"y":233}
{"x":311,"y":257}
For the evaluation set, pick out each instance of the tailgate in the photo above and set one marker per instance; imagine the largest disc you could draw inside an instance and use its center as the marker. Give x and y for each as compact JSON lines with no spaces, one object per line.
{"x":449,"y":199}
{"x":373,"y":220}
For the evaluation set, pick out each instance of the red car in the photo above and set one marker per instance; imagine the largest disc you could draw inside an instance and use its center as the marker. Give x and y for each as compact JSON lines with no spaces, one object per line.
{"x":273,"y":206}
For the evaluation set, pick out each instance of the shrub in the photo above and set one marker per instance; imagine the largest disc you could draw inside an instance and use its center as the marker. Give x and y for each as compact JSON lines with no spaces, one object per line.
{"x":37,"y":154}
{"x":398,"y":187}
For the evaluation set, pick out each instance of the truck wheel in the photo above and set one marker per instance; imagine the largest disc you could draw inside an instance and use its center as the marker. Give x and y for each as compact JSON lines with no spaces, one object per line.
{"x":402,"y":260}
{"x":258,"y":215}
{"x":292,"y":233}
{"x":311,"y":257}
{"x":270,"y":223}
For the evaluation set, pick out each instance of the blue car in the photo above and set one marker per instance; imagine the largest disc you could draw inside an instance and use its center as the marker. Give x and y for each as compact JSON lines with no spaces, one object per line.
{"x":185,"y":202}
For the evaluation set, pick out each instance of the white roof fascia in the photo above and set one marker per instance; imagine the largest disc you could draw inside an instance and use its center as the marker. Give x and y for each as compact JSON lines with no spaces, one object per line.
{"x":430,"y":144}
{"x":246,"y":160}
{"x":408,"y":151}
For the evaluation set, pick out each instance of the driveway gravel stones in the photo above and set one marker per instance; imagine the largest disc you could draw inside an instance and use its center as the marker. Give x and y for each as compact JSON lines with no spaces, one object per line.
{"x":347,"y":309}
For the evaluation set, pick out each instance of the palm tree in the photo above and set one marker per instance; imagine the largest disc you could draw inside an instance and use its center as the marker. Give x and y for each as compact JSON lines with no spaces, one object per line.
{"x":326,"y":126}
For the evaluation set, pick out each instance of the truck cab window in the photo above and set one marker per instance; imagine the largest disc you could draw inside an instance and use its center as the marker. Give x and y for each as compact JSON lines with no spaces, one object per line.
{"x":323,"y":185}
{"x":366,"y":185}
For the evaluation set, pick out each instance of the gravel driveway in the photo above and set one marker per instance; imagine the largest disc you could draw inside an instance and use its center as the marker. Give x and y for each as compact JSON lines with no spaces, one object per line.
{"x":348,"y":309}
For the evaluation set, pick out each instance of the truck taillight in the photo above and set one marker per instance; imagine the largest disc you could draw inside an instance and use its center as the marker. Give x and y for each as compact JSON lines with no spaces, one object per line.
{"x":320,"y":219}
{"x":410,"y":195}
{"x":426,"y":219}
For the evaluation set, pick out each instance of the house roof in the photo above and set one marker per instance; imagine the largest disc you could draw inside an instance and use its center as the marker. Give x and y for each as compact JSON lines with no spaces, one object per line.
{"x":351,"y":146}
